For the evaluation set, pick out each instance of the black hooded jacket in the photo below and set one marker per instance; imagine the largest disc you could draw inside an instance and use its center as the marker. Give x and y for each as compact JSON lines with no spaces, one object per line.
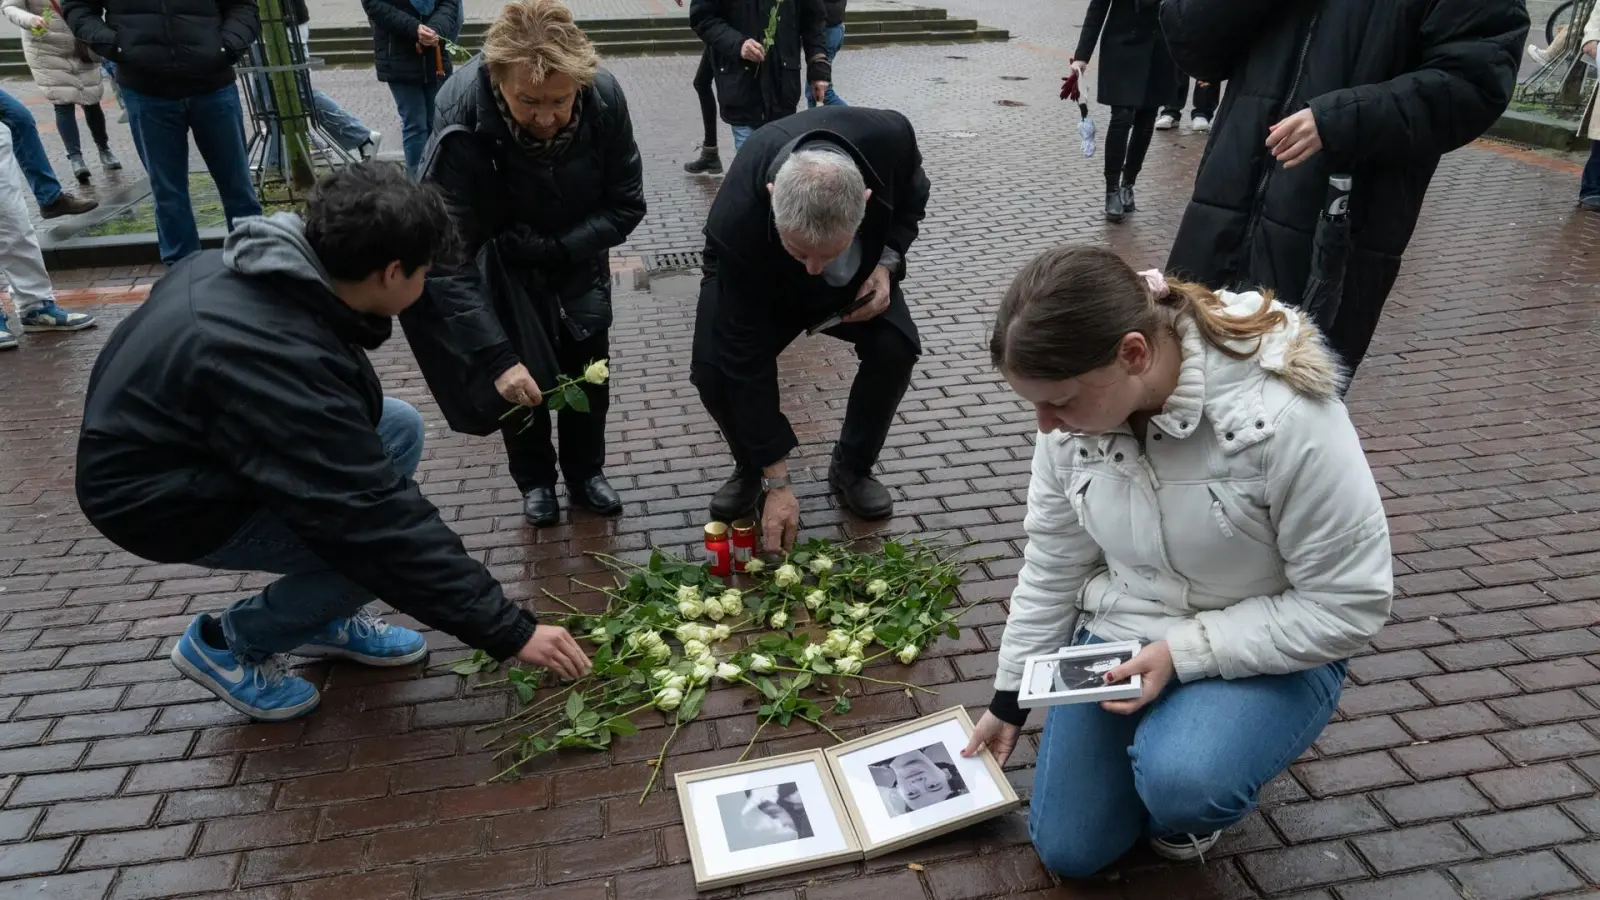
{"x":242,"y":385}
{"x":167,"y":48}
{"x":1393,"y":85}
{"x":753,"y":94}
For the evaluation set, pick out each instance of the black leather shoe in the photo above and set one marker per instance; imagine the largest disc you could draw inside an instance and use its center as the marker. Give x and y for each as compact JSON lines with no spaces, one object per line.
{"x":1114,"y":208}
{"x":1127,"y":199}
{"x":737,"y":497}
{"x":861,"y":494}
{"x":540,"y":507}
{"x":597,"y":494}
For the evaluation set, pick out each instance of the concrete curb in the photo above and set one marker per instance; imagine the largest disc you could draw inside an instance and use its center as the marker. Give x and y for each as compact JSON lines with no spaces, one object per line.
{"x":1538,"y":130}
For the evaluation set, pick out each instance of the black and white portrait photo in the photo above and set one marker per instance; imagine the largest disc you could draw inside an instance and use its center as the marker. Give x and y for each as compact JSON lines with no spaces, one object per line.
{"x":1083,"y":673}
{"x":763,"y":816}
{"x":917,"y":779}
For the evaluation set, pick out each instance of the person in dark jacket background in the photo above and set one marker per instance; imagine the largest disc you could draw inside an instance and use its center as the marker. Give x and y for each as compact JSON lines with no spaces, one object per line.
{"x":814,"y":217}
{"x":1375,"y":89}
{"x":1137,"y":77}
{"x":833,"y":40}
{"x":174,"y":61}
{"x":754,"y":84}
{"x":408,"y":49}
{"x":535,"y":154}
{"x":235,"y":422}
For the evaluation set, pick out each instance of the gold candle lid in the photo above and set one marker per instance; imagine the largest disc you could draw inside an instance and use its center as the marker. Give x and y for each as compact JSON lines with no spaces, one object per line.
{"x":716,"y":529}
{"x":744,"y":526}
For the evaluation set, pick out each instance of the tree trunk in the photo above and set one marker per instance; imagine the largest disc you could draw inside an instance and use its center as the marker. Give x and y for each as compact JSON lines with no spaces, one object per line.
{"x":291,"y":115}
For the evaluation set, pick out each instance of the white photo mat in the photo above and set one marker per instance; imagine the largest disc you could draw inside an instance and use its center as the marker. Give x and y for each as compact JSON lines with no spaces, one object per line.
{"x":1038,"y":673}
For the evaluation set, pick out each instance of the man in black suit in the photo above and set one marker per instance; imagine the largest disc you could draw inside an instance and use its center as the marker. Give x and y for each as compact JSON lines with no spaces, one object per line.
{"x":812,"y":222}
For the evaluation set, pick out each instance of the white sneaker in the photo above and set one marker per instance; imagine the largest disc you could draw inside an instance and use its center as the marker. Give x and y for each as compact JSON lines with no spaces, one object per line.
{"x":369,"y":150}
{"x":1185,"y":847}
{"x":1166,"y":122}
{"x":1202,"y":124}
{"x":1539,"y":55}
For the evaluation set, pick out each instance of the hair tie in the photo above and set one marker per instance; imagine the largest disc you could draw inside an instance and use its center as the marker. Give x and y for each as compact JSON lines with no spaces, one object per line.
{"x":1156,"y":283}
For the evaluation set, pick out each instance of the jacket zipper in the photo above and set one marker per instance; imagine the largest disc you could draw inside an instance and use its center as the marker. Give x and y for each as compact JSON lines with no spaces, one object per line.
{"x":1294,"y":87}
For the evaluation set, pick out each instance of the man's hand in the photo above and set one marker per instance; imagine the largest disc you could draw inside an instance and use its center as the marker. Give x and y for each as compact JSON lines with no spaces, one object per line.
{"x":780,"y":521}
{"x":819,"y":89}
{"x":1295,"y":139}
{"x":1000,"y":737}
{"x":1154,"y":663}
{"x":551,"y":647}
{"x":426,"y":36}
{"x":517,"y":386}
{"x":753,"y":51}
{"x":877,"y":286}
{"x":33,"y":22}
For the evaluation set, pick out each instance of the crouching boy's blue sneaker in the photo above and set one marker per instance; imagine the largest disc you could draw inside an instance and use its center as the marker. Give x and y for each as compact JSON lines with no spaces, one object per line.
{"x":264,"y":690}
{"x":365,"y":638}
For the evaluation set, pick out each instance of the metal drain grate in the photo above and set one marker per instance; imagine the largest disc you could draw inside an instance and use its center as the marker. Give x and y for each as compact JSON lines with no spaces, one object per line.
{"x":674,"y":261}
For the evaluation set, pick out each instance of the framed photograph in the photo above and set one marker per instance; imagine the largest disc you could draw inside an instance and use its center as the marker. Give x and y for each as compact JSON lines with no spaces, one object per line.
{"x":910,"y":783}
{"x":764,"y":818}
{"x":1077,"y":675}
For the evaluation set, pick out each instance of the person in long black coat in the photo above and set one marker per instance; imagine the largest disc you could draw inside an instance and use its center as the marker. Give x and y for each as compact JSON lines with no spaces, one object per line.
{"x":536,"y":156}
{"x":1137,"y":78}
{"x":1376,"y":89}
{"x":768,"y":278}
{"x":757,"y":84}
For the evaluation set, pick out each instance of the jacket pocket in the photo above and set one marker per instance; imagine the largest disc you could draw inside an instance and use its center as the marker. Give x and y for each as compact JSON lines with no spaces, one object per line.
{"x":1077,"y":493}
{"x":1229,"y":515}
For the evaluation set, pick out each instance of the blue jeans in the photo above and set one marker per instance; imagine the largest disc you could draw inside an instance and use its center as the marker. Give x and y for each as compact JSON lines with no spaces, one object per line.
{"x":415,"y":104}
{"x":29,"y":150}
{"x":293,"y":609}
{"x":1192,"y":762}
{"x":833,"y":37}
{"x":741,"y":133}
{"x":161,"y":128}
{"x":1590,"y":186}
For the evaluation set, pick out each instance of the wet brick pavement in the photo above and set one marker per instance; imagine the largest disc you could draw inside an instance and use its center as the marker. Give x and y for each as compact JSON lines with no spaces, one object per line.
{"x":1464,"y":762}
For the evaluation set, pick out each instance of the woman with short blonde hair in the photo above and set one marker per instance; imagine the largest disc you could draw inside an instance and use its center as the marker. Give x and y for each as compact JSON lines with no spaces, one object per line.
{"x":534,"y":151}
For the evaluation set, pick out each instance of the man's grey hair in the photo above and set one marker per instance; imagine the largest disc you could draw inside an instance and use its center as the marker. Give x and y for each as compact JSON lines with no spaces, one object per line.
{"x":819,"y":196}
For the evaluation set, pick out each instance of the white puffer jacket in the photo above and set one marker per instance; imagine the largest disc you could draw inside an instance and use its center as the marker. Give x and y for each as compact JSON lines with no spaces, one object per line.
{"x":57,"y":71}
{"x":1249,"y":534}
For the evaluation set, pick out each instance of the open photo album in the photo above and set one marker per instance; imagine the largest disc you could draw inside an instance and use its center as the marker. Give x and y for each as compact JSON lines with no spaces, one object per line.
{"x":861,"y":799}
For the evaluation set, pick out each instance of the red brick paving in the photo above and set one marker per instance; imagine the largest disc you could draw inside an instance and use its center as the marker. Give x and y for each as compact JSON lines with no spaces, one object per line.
{"x":1464,"y":762}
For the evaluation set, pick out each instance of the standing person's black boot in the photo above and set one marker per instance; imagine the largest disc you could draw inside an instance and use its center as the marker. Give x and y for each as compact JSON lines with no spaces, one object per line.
{"x":860,"y":492}
{"x":737,"y":496}
{"x":1115,"y":209}
{"x":596,"y":493}
{"x":1128,"y":204}
{"x":708,"y":163}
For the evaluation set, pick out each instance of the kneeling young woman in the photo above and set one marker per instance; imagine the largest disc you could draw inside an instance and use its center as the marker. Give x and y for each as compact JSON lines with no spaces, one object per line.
{"x":1197,"y":486}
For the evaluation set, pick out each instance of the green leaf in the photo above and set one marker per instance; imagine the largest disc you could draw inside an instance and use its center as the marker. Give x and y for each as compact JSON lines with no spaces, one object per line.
{"x":541,"y":745}
{"x":953,"y":632}
{"x":574,"y":705}
{"x":691,"y":704}
{"x":587,"y":720}
{"x":768,"y":689}
{"x":893,"y":550}
{"x":821,"y":667}
{"x":784,"y":717}
{"x":479,"y":661}
{"x":576,"y":398}
{"x":802,"y":681}
{"x":524,"y":691}
{"x":765,"y":710}
{"x":621,"y":726}
{"x":841,"y":705}
{"x":556,"y":402}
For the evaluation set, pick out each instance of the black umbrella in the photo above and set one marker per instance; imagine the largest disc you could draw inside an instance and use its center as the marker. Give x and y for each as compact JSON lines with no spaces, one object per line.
{"x":1330,"y":253}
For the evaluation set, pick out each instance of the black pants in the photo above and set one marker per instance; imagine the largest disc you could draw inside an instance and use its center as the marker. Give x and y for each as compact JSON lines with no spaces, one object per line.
{"x":1127,"y":140}
{"x":1206,"y":98}
{"x":887,"y":358}
{"x":531,"y":454}
{"x":67,"y":126}
{"x":708,"y":100}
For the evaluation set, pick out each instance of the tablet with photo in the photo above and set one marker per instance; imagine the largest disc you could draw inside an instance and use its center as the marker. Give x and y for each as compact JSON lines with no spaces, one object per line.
{"x":1077,"y":675}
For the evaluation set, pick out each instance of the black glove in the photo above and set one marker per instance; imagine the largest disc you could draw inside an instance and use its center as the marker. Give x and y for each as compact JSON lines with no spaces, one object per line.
{"x":526,"y":245}
{"x":1005,"y":708}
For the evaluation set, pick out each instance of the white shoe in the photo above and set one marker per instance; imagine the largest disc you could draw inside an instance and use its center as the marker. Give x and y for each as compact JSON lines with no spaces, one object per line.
{"x":1202,"y":124}
{"x":369,"y":150}
{"x":1185,"y":847}
{"x":1539,"y":55}
{"x":1166,"y":122}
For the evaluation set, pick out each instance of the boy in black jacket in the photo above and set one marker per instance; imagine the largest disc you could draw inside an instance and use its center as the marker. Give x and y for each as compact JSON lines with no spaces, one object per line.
{"x":235,"y":422}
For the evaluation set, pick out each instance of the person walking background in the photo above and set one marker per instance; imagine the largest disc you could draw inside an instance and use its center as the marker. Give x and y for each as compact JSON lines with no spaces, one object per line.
{"x":1375,"y":89}
{"x":752,"y":89}
{"x":408,"y":49}
{"x":69,"y":75}
{"x":1589,"y":187}
{"x":833,"y":39}
{"x":535,"y":155}
{"x":1137,"y":78}
{"x":175,"y":65}
{"x":1206,"y":97}
{"x":35,"y":162}
{"x":22,"y":262}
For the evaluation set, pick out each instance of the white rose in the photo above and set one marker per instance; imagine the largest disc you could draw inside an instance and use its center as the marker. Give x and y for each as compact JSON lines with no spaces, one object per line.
{"x":878,"y":587}
{"x":860,"y":611}
{"x":676,"y":683}
{"x":906,"y":654}
{"x":686,"y":632}
{"x":754,"y":566}
{"x":688,"y":593}
{"x":669,"y":698}
{"x":812,"y":653}
{"x":597,"y":372}
{"x":661,"y":675}
{"x":732,"y":602}
{"x":848,"y":665}
{"x":690,"y":609}
{"x":780,"y":619}
{"x":713,"y":609}
{"x":729,"y":671}
{"x":720,"y":634}
{"x":867,"y":635}
{"x":693,"y":648}
{"x":658,"y":653}
{"x":760,"y":662}
{"x":815,"y":599}
{"x":787,"y":575}
{"x":822,"y":565}
{"x":599,"y":635}
{"x":856,"y":648}
{"x":701,"y":673}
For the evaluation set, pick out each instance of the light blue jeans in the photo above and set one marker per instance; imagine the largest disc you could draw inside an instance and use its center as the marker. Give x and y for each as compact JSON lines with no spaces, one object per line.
{"x":416,"y":107}
{"x":833,"y":37}
{"x":741,"y":133}
{"x":292,"y":610}
{"x":1192,"y":762}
